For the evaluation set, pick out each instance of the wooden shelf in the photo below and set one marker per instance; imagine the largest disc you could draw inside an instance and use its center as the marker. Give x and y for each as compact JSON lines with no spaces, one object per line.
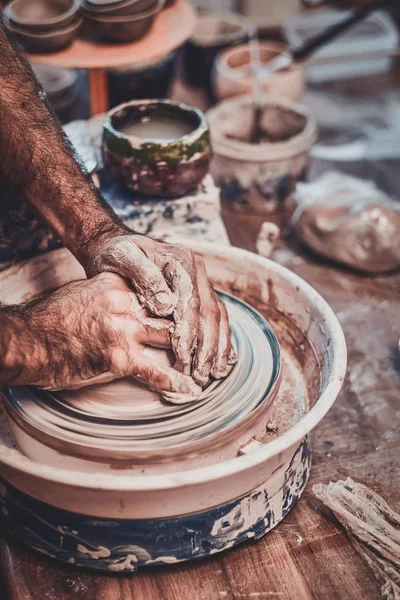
{"x":171,"y":28}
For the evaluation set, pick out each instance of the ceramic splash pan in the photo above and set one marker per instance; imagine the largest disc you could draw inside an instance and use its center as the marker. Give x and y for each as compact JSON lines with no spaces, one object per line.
{"x":121,"y":520}
{"x":122,"y":424}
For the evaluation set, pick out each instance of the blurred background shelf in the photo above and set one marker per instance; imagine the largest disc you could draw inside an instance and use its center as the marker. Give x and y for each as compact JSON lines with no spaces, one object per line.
{"x":171,"y":29}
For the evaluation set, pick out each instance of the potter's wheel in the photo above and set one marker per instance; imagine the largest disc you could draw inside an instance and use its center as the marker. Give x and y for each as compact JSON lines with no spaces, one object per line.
{"x":123,"y":420}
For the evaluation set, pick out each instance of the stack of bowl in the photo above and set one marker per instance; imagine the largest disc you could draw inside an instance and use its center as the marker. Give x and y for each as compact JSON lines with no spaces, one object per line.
{"x":120,"y":21}
{"x":44,"y":25}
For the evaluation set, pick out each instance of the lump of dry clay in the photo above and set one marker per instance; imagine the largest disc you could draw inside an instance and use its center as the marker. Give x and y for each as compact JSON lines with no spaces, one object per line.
{"x":267,"y":238}
{"x":349,"y":221}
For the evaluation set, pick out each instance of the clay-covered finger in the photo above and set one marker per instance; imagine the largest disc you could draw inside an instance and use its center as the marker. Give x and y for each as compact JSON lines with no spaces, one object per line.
{"x":208,"y":336}
{"x":180,"y":273}
{"x":124,"y":257}
{"x":155,"y":332}
{"x":233,"y":357}
{"x":221,"y":366}
{"x":167,"y":381}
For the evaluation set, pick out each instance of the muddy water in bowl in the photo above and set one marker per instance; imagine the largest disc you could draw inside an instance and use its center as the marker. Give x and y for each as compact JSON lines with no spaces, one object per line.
{"x":160,"y":130}
{"x":156,"y":148}
{"x":258,"y":159}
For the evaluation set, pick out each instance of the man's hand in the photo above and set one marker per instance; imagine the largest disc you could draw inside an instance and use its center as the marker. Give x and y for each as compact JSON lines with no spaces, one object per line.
{"x":88,"y":332}
{"x":37,"y":162}
{"x":170,"y":279}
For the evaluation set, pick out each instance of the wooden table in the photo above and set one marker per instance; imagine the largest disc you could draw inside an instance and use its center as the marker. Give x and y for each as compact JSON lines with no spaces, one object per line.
{"x":308,"y":556}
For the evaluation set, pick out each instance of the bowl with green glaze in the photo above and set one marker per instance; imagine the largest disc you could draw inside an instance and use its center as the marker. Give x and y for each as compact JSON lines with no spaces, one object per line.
{"x":156,"y":148}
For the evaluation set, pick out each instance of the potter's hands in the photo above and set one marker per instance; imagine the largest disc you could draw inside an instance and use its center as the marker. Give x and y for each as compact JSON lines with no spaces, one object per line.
{"x":95,"y":331}
{"x":171,"y":280}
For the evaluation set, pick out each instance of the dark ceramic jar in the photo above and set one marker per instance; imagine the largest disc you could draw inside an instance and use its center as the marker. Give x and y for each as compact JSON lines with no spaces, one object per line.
{"x":156,"y":148}
{"x":147,"y":79}
{"x":215,"y":32}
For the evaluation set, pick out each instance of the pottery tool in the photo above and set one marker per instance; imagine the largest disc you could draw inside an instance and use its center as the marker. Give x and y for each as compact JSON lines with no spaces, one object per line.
{"x":125,"y":421}
{"x":300,"y":54}
{"x":257,"y":89}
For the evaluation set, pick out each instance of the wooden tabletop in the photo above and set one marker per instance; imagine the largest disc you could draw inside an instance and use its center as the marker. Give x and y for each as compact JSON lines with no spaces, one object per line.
{"x":308,"y":556}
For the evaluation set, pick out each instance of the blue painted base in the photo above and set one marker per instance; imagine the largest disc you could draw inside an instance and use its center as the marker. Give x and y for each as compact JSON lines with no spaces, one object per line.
{"x":124,"y":545}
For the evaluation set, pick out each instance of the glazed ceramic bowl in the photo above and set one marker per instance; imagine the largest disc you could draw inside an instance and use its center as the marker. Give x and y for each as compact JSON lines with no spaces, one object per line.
{"x":117,"y":9}
{"x":42,"y":15}
{"x":119,"y":521}
{"x":49,"y":41}
{"x":260,"y":177}
{"x":147,"y":79}
{"x":122,"y":29}
{"x":158,"y":166}
{"x":233,"y":76}
{"x":214,"y":32}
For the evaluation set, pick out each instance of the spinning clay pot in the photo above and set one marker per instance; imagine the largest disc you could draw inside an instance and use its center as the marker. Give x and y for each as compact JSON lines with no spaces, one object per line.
{"x":124,"y":423}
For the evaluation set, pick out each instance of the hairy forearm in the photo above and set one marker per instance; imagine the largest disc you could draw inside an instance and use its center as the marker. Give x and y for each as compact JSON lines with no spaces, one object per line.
{"x":38,"y":162}
{"x":17,"y":348}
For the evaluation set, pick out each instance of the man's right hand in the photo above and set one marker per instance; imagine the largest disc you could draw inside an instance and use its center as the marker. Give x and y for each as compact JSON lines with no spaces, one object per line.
{"x":86,"y":332}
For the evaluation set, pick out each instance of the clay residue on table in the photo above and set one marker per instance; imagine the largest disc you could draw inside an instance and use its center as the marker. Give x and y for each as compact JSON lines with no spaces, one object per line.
{"x":372,"y":525}
{"x":362,"y":427}
{"x":301,"y":378}
{"x":350,"y":221}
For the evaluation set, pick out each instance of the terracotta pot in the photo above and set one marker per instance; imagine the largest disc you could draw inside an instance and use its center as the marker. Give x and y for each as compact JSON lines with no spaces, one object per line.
{"x":156,"y":167}
{"x":260,"y":177}
{"x":232,"y":73}
{"x":118,"y":521}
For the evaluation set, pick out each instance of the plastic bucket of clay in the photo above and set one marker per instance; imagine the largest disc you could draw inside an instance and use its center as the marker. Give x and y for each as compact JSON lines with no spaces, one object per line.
{"x":233,"y":75}
{"x":260,"y":177}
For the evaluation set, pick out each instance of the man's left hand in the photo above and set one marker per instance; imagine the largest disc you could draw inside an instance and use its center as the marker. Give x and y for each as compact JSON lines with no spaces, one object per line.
{"x":171,"y":280}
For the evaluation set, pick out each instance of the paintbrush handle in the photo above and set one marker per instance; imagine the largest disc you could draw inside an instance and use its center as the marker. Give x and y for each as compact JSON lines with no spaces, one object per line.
{"x":335,"y":30}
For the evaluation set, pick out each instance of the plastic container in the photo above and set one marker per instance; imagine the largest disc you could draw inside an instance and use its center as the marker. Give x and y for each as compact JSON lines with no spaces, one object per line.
{"x":364,"y":50}
{"x":233,"y":76}
{"x":260,"y":178}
